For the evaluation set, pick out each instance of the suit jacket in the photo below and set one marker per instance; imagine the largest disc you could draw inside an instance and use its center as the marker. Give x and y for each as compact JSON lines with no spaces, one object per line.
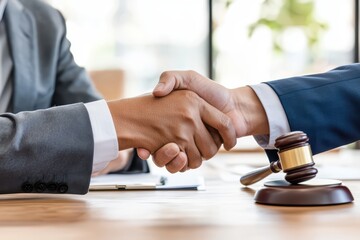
{"x":325,"y":106}
{"x":44,"y":73}
{"x":47,"y":150}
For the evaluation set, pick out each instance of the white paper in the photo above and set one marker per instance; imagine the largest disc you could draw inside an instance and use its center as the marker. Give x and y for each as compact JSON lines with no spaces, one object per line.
{"x":146,"y":181}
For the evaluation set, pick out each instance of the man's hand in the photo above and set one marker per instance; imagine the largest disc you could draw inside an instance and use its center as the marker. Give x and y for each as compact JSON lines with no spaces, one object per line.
{"x":117,"y":164}
{"x":215,"y":94}
{"x":241,"y":105}
{"x":182,"y":118}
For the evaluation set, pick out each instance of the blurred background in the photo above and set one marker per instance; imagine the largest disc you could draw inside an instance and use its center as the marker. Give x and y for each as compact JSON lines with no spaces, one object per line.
{"x":234,"y":42}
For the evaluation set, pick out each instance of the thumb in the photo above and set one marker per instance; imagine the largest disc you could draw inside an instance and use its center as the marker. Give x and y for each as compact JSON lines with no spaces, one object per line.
{"x":166,"y":84}
{"x":212,"y":92}
{"x":143,"y":153}
{"x":177,"y":80}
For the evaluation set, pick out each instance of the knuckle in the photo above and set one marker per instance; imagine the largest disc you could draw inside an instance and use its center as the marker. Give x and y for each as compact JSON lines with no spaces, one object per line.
{"x":195,"y":163}
{"x":191,"y":75}
{"x":210,"y":152}
{"x":190,"y":95}
{"x":165,"y":75}
{"x":171,"y":169}
{"x":207,"y":154}
{"x":192,"y":72}
{"x":169,"y":151}
{"x":225,"y":123}
{"x":188,"y":117}
{"x":158,"y":161}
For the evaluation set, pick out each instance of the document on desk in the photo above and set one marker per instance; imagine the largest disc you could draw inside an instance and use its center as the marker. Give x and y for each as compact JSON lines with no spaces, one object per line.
{"x":146,"y":181}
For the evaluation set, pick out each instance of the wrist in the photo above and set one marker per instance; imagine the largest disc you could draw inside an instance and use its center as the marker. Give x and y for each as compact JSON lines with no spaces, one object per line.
{"x":249,"y":106}
{"x":121,"y":115}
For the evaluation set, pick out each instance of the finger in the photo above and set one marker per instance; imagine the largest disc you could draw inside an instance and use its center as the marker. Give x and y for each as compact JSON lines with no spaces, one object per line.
{"x":193,"y":154}
{"x":165,"y":154}
{"x":193,"y":81}
{"x":114,"y":165}
{"x":204,"y":142}
{"x":143,"y":153}
{"x":178,"y":163}
{"x":166,"y":84}
{"x":222,"y":123}
{"x":216,"y":136}
{"x":104,"y":171}
{"x":176,"y":80}
{"x":186,"y":165}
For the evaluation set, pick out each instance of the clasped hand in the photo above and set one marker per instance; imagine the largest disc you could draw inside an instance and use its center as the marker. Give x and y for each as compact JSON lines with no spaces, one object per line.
{"x":194,"y":127}
{"x":187,"y":119}
{"x":241,"y":105}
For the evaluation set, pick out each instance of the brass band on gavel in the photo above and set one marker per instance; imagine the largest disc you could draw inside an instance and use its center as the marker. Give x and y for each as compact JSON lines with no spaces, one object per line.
{"x":295,"y":157}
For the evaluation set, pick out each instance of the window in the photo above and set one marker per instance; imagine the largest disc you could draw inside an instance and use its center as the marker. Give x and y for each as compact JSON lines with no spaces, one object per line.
{"x":141,"y":37}
{"x":259,"y":40}
{"x":252,"y":40}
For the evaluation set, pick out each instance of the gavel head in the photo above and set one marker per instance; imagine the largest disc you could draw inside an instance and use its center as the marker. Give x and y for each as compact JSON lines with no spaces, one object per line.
{"x":295,"y":157}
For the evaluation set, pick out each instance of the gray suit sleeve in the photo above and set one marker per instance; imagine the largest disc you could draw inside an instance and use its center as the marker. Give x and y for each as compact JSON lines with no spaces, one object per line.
{"x":46,"y":151}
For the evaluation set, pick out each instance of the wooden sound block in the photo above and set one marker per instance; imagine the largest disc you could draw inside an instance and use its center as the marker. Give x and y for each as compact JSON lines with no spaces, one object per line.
{"x":315,"y":192}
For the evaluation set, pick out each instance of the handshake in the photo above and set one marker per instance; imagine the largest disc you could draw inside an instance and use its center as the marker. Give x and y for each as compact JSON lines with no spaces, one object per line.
{"x":186,"y":120}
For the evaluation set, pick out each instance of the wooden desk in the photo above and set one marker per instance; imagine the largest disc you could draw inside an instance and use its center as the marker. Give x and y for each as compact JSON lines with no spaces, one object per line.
{"x":224,"y":211}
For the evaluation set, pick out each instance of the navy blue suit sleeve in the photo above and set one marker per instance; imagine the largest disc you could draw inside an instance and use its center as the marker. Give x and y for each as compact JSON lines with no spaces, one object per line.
{"x":325,"y":106}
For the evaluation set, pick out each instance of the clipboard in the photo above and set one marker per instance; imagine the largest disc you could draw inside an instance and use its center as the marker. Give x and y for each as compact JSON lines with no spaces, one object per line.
{"x":146,"y":181}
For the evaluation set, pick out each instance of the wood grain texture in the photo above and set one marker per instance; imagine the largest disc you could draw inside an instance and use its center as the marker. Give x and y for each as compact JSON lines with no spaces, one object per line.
{"x":225,"y":210}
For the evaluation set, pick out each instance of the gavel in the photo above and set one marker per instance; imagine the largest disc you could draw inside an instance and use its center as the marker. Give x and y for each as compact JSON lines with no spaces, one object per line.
{"x":295,"y":159}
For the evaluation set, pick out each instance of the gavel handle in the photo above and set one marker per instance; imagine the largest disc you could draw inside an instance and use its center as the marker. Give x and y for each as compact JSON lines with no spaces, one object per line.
{"x":261,"y":173}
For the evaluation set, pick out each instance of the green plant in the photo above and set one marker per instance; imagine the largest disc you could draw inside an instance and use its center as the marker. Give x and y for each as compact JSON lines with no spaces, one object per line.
{"x":279,"y":15}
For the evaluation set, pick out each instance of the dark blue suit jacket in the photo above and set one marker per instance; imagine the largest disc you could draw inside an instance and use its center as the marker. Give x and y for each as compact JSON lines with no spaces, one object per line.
{"x":325,"y":106}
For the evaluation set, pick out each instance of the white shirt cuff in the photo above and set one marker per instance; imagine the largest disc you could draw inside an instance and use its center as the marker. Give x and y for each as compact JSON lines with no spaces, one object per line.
{"x":278,"y":122}
{"x":105,"y":139}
